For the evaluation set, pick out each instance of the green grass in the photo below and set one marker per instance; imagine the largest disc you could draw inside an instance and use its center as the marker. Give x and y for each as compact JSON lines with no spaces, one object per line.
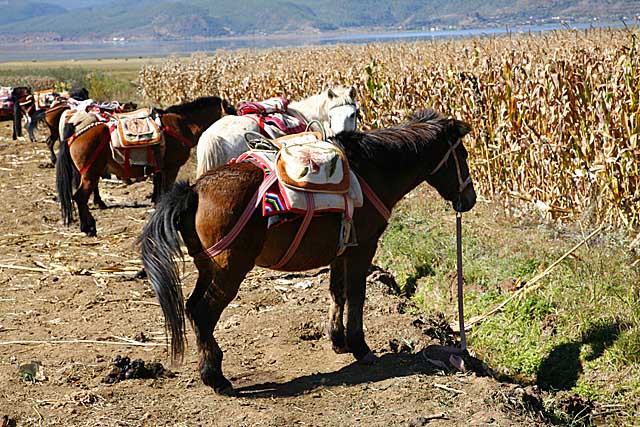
{"x":580,"y":331}
{"x":106,"y":80}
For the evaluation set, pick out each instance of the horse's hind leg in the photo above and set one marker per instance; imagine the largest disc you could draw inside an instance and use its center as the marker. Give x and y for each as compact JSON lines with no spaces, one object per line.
{"x":86,"y":187}
{"x":338,"y":297}
{"x":204,"y":307}
{"x":357,"y":264}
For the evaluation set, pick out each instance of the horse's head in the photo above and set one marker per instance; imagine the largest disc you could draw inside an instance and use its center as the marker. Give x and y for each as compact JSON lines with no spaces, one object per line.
{"x":20,"y":93}
{"x":450,"y":175}
{"x":129,"y":106}
{"x":341,"y":109}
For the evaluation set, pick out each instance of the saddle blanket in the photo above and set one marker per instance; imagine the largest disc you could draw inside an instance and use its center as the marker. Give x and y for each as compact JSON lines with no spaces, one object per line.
{"x":273,"y":117}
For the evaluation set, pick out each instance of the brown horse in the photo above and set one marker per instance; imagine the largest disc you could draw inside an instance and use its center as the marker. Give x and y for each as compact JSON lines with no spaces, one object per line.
{"x":391,"y":161}
{"x":89,"y":155}
{"x":51,"y":117}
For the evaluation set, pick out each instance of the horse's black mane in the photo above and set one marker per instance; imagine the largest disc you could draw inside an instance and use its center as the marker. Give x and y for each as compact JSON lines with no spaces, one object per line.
{"x":204,"y":102}
{"x":399,"y":145}
{"x":79,"y":94}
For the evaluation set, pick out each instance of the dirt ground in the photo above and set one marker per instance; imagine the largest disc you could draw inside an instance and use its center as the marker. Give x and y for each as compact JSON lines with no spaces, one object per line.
{"x":72,"y":304}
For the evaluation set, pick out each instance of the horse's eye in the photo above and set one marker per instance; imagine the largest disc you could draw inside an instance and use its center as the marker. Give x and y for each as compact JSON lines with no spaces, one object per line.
{"x":352,"y":115}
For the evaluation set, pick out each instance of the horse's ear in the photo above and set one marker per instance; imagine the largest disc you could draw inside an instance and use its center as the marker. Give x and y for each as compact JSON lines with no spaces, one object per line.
{"x":331,"y":94}
{"x":462,"y":128}
{"x":352,"y":92}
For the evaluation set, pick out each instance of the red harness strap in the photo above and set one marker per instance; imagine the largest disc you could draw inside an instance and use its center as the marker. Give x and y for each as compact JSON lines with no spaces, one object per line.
{"x":172,"y":133}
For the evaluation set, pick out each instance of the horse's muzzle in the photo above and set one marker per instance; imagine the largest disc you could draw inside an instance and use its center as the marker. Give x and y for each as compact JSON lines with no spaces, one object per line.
{"x":465,"y":200}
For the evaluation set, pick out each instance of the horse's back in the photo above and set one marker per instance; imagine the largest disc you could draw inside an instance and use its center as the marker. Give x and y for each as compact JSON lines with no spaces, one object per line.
{"x":223,"y":141}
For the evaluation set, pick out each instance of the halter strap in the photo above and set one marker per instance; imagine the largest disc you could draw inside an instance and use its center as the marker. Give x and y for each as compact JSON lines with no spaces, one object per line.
{"x":172,"y":133}
{"x":342,"y":105}
{"x":374,"y":199}
{"x":462,"y":184}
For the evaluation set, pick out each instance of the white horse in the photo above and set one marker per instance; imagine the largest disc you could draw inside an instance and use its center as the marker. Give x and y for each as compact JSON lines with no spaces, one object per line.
{"x":224,"y":140}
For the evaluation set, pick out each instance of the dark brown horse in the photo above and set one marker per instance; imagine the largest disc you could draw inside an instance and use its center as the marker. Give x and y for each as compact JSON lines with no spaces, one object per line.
{"x":392,"y":161}
{"x":51,"y":118}
{"x":24,"y":107}
{"x":90,"y":156}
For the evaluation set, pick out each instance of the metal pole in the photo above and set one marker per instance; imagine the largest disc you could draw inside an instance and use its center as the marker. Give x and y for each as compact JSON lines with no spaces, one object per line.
{"x":463,"y":337}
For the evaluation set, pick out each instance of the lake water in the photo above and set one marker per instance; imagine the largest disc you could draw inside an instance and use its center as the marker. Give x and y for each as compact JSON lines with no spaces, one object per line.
{"x":132,"y":49}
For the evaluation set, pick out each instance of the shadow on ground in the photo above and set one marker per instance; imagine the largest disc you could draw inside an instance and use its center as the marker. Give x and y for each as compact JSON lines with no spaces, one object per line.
{"x":562,"y":367}
{"x":389,"y":365}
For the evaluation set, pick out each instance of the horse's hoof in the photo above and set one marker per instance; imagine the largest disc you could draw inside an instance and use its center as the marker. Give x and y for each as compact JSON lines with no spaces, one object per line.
{"x":339,"y":349}
{"x":225,"y":391}
{"x":368,"y":359}
{"x":141,"y":274}
{"x":101,"y":205}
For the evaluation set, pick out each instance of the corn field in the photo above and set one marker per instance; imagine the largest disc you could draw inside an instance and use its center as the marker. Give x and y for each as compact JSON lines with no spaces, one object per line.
{"x":555,"y":116}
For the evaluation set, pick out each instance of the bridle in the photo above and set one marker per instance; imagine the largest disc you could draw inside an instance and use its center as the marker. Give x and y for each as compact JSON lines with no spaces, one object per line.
{"x":355,"y":109}
{"x":462,"y":184}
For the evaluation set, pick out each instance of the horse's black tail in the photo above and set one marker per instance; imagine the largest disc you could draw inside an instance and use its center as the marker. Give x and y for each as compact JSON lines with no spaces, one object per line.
{"x":160,"y":247}
{"x":17,"y":119}
{"x":33,"y":124}
{"x":65,"y":170}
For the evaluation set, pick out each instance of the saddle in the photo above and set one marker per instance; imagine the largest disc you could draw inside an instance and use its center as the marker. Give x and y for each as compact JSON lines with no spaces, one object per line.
{"x":324,"y":166}
{"x":139,"y":128}
{"x":307,"y":163}
{"x":6,"y":101}
{"x":136,"y":139}
{"x":273,"y":117}
{"x":44,"y":98}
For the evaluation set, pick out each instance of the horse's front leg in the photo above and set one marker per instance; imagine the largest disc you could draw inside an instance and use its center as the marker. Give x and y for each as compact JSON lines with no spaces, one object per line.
{"x":97,"y":199}
{"x":338,"y":298}
{"x":157,"y":187}
{"x":358,"y":261}
{"x":52,"y":155}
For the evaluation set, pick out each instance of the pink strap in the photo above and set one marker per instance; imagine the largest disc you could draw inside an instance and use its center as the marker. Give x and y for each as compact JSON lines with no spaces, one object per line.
{"x":255,"y":201}
{"x":375,"y":201}
{"x":308,"y":216}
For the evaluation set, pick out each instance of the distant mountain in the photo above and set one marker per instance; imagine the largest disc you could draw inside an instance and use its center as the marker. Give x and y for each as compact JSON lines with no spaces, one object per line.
{"x":16,"y":11}
{"x":183,"y":19}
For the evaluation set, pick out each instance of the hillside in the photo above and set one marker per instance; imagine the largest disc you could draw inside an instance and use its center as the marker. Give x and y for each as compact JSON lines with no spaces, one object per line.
{"x":181,"y":19}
